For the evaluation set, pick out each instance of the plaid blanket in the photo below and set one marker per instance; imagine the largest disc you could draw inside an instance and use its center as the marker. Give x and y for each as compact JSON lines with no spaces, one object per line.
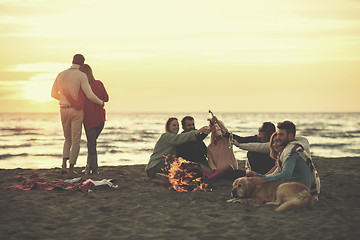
{"x":34,"y":182}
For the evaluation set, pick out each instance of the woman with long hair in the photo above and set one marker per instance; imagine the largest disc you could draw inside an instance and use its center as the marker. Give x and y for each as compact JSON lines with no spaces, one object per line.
{"x":275,"y":151}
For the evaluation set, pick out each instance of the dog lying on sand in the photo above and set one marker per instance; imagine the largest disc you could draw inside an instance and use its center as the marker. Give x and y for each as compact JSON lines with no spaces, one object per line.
{"x":286,"y":194}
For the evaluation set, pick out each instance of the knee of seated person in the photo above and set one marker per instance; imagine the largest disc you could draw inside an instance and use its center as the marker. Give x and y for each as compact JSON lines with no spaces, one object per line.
{"x":151,"y":173}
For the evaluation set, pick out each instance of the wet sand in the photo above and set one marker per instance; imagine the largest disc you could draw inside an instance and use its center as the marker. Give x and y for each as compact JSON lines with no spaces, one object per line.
{"x":143,"y":209}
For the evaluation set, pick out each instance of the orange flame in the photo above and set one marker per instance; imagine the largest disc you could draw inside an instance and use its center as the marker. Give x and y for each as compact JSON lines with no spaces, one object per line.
{"x":182,"y":179}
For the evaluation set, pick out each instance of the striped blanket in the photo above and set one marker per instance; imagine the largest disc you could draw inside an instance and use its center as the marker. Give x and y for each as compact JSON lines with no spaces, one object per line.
{"x":34,"y":182}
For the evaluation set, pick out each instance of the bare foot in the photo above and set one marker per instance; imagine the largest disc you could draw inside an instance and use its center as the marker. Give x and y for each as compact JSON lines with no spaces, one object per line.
{"x":63,"y":166}
{"x":71,"y":169}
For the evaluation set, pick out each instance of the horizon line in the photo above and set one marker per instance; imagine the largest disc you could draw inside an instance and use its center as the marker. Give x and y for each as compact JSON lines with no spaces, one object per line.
{"x":192,"y":112}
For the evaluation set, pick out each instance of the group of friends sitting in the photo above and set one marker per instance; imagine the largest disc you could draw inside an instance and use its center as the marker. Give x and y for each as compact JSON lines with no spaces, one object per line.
{"x":273,"y":154}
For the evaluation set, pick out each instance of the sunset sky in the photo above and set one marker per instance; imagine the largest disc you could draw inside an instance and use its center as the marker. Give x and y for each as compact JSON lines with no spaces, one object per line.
{"x":186,"y":56}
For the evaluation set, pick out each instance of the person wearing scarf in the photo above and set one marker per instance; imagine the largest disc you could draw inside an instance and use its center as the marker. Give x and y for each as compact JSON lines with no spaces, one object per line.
{"x":293,"y":159}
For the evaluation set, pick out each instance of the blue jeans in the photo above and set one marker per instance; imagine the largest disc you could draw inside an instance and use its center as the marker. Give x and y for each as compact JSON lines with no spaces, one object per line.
{"x":92,"y":135}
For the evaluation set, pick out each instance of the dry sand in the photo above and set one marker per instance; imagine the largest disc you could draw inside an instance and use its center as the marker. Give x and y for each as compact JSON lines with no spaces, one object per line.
{"x":142,"y":209}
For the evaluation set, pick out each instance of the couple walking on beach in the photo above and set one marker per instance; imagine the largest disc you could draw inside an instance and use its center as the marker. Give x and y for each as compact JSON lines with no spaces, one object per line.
{"x":81,"y":99}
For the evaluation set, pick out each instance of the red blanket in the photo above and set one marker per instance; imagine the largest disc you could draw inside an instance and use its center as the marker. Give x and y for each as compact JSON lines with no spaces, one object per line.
{"x":34,"y":182}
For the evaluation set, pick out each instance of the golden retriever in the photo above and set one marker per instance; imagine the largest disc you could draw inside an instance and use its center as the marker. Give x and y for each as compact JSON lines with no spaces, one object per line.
{"x":286,"y":194}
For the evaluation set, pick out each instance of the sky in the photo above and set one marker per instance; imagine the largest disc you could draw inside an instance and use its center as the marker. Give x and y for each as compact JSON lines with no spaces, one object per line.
{"x":186,"y":56}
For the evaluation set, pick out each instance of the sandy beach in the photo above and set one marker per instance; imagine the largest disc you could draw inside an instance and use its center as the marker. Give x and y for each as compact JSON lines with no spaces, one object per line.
{"x":142,"y":209}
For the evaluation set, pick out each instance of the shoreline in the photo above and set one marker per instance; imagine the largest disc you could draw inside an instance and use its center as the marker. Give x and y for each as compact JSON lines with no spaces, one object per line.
{"x":140,"y":208}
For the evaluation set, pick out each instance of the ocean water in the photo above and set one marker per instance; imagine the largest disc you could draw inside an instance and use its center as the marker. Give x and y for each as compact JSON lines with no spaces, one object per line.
{"x":36,"y":140}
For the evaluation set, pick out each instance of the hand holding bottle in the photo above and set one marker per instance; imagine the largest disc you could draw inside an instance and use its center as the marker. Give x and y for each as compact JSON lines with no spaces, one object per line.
{"x":205,"y":130}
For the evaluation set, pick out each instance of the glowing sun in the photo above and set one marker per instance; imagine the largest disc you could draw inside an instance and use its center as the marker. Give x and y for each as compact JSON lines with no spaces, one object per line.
{"x":38,"y":91}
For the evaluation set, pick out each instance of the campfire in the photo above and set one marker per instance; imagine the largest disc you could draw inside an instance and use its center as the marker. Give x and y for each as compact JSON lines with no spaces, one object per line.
{"x":185,"y":176}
